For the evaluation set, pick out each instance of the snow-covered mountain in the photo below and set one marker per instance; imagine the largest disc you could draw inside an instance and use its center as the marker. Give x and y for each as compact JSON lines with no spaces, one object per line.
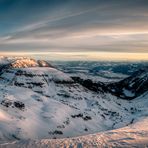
{"x":38,"y":101}
{"x":133,"y":86}
{"x":127,"y":88}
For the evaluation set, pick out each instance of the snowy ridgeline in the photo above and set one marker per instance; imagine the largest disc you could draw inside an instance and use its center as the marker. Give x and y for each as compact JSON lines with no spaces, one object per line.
{"x":39,"y":102}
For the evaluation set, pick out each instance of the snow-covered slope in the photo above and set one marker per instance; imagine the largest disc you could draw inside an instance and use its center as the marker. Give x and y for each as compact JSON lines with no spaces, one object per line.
{"x":38,"y":101}
{"x":38,"y":79}
{"x":133,"y":86}
{"x":135,"y":135}
{"x":55,"y":109}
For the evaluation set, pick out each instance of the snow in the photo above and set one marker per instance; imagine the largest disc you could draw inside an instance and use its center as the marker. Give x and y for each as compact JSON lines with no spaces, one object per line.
{"x":44,"y":116}
{"x":24,"y":63}
{"x":53,"y":106}
{"x":110,"y":74}
{"x":61,"y":107}
{"x":4,"y":116}
{"x":128,"y":93}
{"x":135,"y":135}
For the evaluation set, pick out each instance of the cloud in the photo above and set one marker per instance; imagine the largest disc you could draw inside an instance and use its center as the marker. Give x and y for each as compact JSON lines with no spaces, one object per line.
{"x":74,"y":25}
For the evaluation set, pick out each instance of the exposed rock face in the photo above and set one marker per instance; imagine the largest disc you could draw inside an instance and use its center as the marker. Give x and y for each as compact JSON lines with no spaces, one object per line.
{"x":24,"y":63}
{"x":89,"y":84}
{"x":27,"y":62}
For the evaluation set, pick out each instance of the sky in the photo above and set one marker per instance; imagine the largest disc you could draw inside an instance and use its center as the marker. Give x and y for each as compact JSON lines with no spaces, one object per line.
{"x":75,"y":29}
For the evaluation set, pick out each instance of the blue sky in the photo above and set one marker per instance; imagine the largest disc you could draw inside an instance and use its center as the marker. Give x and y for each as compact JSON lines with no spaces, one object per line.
{"x":71,"y":26}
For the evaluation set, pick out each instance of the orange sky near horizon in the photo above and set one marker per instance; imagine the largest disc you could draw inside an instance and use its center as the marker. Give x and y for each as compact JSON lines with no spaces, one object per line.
{"x":89,"y":56}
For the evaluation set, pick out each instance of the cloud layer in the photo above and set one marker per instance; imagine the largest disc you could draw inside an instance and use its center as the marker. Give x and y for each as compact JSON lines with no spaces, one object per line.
{"x":74,"y":25}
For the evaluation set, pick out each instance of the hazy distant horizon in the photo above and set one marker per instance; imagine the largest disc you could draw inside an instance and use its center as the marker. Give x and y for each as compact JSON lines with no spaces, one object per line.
{"x":82,"y":56}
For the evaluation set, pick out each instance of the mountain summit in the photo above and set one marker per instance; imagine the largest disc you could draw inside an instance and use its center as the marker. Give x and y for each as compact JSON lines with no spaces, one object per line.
{"x":27,"y":62}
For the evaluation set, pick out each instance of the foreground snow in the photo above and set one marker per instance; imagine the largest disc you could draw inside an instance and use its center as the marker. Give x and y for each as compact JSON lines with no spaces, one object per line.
{"x":135,"y":135}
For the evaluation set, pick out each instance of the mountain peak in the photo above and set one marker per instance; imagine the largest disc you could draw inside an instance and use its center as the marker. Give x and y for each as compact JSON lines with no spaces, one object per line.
{"x":23,"y":63}
{"x":28,"y":62}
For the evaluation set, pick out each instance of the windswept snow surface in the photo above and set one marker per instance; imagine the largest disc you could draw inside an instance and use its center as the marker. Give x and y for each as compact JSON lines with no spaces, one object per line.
{"x":135,"y":135}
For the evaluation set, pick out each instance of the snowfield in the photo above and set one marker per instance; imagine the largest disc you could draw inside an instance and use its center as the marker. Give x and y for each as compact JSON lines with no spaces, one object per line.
{"x":41,"y":106}
{"x":135,"y":135}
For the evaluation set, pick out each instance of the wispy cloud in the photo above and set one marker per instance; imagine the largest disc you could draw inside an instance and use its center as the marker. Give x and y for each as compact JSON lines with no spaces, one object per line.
{"x":74,"y":25}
